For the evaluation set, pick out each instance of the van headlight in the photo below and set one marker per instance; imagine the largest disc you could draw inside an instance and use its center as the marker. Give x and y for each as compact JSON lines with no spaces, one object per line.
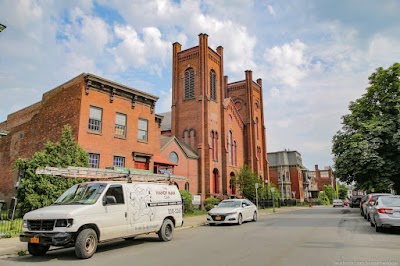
{"x":24,"y":224}
{"x":64,"y":222}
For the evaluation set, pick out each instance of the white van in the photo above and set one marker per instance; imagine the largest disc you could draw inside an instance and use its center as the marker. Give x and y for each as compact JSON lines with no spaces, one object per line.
{"x":93,"y":212}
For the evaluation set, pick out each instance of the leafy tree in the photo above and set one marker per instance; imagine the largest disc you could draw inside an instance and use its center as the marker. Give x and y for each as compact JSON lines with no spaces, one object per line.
{"x":246,"y":179}
{"x":343,"y":189}
{"x":329,"y":192}
{"x":187,"y":201}
{"x":323,"y":198}
{"x":210,"y":202}
{"x":367,"y":148}
{"x":36,"y":191}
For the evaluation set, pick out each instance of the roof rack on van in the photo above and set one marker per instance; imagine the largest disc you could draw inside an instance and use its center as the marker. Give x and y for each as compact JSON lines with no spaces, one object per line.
{"x":107,"y":174}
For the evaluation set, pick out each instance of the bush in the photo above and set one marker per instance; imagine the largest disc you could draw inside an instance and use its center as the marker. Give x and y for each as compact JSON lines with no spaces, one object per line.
{"x":187,"y":201}
{"x":323,"y":198}
{"x":209,"y":203}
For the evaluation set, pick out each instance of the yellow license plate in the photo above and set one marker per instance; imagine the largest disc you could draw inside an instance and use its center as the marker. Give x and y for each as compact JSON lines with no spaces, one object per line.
{"x":217,"y":218}
{"x":34,"y":240}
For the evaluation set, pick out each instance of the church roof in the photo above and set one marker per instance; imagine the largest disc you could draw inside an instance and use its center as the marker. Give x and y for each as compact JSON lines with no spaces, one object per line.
{"x":186,"y":149}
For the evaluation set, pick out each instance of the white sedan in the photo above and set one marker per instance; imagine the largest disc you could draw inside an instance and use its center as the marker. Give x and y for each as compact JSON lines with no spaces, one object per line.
{"x":338,"y":202}
{"x":234,"y":211}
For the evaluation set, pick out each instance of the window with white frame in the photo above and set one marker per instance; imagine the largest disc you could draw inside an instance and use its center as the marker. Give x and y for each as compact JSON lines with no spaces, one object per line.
{"x":95,"y":116}
{"x":142,"y":129}
{"x":120,"y":125}
{"x":119,"y":161}
{"x":94,"y":160}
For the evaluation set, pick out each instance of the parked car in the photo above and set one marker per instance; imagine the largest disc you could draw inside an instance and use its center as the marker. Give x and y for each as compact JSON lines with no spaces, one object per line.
{"x":338,"y":202}
{"x":386,"y":213}
{"x":362,"y":202}
{"x":233,"y":211}
{"x":371,"y":198}
{"x":354,"y":202}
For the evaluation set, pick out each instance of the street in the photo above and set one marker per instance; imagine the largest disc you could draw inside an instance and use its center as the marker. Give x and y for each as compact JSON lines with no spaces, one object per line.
{"x":314,"y":236}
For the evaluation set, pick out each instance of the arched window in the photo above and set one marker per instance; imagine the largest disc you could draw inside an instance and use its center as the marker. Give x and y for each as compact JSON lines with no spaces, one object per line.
{"x":189,"y":84}
{"x":212,"y":145}
{"x":234,"y":153}
{"x":216,"y":180}
{"x":230,"y":151}
{"x":187,"y":186}
{"x":213,"y":85}
{"x":216,"y":146}
{"x":258,"y":137}
{"x":232,"y":184}
{"x":173,"y":157}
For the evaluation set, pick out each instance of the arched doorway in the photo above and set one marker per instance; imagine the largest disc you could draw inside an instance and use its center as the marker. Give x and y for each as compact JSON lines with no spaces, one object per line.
{"x":232,"y":184}
{"x":216,"y":180}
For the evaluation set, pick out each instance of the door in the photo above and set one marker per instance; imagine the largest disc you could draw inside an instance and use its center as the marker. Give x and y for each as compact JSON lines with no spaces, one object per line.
{"x":248,"y":210}
{"x":114,"y":220}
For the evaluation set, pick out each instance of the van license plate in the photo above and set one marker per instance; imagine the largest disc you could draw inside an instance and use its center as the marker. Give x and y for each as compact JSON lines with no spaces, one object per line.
{"x":34,"y":240}
{"x":217,"y":218}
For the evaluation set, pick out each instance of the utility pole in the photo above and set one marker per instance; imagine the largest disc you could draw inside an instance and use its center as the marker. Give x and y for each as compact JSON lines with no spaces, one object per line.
{"x":273,"y":201}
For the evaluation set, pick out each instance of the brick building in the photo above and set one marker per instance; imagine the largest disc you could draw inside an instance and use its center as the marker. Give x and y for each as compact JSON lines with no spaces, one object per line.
{"x":323,"y":177}
{"x":115,"y":124}
{"x":223,"y":123}
{"x":287,"y":172}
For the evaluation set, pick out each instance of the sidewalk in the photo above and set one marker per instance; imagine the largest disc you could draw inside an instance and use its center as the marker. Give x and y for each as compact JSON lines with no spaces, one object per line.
{"x":10,"y":246}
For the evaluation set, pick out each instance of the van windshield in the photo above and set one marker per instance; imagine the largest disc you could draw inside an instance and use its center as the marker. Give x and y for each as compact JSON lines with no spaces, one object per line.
{"x":81,"y":194}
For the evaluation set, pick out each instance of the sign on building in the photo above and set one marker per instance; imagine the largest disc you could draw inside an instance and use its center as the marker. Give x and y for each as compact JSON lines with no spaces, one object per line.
{"x":196,"y":200}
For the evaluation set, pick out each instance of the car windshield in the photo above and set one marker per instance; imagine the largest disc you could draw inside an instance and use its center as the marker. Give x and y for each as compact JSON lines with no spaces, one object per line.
{"x":391,"y":201}
{"x":86,"y":193}
{"x":229,"y":204}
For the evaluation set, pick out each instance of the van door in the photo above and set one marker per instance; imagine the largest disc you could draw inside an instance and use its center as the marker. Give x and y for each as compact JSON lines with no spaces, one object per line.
{"x":114,"y":221}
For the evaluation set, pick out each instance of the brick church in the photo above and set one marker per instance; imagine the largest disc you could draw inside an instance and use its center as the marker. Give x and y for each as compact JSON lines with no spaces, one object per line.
{"x":213,"y":129}
{"x":222,"y":122}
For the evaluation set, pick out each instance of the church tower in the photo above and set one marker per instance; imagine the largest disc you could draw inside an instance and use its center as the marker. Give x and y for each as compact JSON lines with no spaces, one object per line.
{"x":248,"y":99}
{"x":197,"y":96}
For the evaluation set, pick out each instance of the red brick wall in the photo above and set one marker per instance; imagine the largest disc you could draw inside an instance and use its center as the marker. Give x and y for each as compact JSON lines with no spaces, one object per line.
{"x":106,"y":143}
{"x":186,"y":167}
{"x":33,"y":126}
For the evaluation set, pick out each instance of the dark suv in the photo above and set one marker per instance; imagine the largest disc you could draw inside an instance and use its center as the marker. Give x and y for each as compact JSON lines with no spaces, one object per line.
{"x":355,"y":202}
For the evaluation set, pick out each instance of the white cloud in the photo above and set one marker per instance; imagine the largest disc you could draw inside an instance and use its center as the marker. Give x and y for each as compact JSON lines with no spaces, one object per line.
{"x":287,"y":62}
{"x":271,"y":10}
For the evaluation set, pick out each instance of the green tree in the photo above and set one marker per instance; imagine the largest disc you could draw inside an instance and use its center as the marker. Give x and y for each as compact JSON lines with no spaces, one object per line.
{"x":246,"y":179}
{"x":36,"y":191}
{"x":323,"y":198}
{"x":329,"y":192}
{"x":187,"y":201}
{"x":367,"y":148}
{"x":343,"y":189}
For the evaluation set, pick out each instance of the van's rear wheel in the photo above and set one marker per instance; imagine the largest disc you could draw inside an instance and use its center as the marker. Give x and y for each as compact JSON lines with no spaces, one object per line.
{"x":166,"y":231}
{"x":37,"y":249}
{"x":86,"y":243}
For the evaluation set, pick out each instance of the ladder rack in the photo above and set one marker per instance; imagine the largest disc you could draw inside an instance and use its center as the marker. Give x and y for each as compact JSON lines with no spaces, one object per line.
{"x":107,"y":174}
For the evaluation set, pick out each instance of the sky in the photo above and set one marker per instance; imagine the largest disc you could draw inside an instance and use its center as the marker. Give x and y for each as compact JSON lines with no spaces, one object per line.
{"x":313,"y":56}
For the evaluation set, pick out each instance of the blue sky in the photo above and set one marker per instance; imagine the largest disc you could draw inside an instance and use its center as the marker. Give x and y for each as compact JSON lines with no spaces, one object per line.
{"x":314,"y":57}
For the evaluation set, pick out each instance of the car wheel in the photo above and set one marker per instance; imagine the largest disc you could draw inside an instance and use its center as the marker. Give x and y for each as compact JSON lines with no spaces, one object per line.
{"x":372,"y":224}
{"x":378,"y":229}
{"x":333,"y":206}
{"x":37,"y":249}
{"x":255,"y":217}
{"x":368,"y":218}
{"x":365,"y":216}
{"x":86,"y":244}
{"x":240,"y":219}
{"x":166,"y":231}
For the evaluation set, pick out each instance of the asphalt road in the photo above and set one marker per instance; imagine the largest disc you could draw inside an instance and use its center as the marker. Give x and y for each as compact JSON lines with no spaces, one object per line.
{"x":315,"y":236}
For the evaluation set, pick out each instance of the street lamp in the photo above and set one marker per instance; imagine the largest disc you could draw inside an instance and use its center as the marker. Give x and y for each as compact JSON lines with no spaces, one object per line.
{"x":2,"y":27}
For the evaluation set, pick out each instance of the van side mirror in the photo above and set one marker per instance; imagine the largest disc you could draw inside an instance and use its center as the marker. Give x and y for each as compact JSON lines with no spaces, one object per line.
{"x":104,"y":201}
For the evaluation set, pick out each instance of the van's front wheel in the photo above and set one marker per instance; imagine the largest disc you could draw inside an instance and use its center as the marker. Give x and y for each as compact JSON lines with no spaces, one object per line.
{"x":166,"y":231}
{"x":86,"y":244}
{"x":37,"y":249}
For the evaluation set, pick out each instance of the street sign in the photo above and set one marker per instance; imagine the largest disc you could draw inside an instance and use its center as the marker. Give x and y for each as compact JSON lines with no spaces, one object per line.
{"x":196,"y":200}
{"x":272,"y":189}
{"x":256,"y":185}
